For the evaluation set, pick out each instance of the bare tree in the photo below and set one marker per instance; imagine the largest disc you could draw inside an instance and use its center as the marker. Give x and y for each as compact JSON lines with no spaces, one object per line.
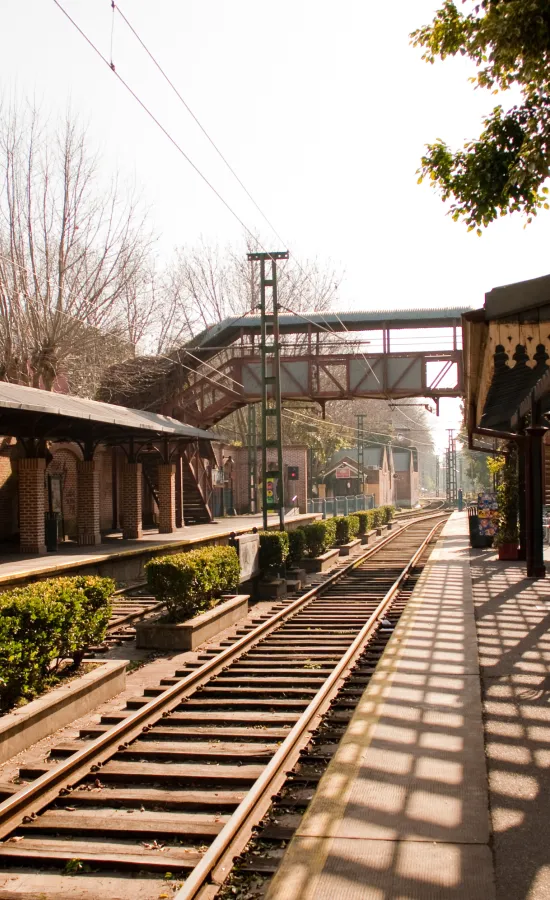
{"x":72,"y":257}
{"x":206,"y":284}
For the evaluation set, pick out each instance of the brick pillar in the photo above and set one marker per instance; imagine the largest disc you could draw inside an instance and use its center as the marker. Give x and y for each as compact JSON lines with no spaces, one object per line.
{"x":87,"y":500}
{"x":131,"y":500}
{"x":167,"y":498}
{"x":31,"y":505}
{"x":179,"y":493}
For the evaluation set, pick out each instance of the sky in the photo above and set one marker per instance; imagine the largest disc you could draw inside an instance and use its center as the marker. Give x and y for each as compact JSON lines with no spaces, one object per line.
{"x":323,"y":110}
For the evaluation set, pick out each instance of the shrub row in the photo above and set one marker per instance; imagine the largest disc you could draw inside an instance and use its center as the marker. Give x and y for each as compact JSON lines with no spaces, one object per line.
{"x":274,"y":549}
{"x":297,"y":546}
{"x":319,"y":536}
{"x":46,"y":622}
{"x":314,"y":538}
{"x":190,"y":583}
{"x":347,"y":527}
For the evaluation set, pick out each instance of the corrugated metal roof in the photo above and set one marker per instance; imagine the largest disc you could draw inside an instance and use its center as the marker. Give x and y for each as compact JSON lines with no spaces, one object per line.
{"x":16,"y":396}
{"x":373,"y":456}
{"x":225,"y":332}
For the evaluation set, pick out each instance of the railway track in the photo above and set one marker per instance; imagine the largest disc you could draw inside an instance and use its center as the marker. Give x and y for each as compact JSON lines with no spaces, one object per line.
{"x":169,"y":791}
{"x":130,"y":605}
{"x":133,"y":604}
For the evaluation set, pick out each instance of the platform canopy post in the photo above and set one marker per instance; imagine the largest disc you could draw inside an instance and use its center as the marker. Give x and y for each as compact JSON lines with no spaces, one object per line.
{"x":535,"y":543}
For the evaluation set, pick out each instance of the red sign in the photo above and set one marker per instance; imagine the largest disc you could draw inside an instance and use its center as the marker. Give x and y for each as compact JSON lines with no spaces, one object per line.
{"x":343,"y":472}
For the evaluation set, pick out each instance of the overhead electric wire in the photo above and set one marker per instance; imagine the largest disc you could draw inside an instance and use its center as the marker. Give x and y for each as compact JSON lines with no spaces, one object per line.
{"x":172,"y":140}
{"x":159,"y":124}
{"x":196,"y":119}
{"x":351,"y":428}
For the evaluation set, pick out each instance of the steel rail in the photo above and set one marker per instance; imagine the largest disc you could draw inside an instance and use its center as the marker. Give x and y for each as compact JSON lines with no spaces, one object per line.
{"x":264,"y":786}
{"x":130,"y":618}
{"x":39,"y":793}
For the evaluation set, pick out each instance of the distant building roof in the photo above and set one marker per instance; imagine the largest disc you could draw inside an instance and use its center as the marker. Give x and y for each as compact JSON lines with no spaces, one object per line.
{"x":373,"y":456}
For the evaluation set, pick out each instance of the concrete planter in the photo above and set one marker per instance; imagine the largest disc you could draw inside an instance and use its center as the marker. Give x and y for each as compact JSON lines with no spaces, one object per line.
{"x":296,"y":574}
{"x":272,"y":589}
{"x":160,"y":635}
{"x":39,"y":718}
{"x":351,"y":547}
{"x":322,"y":563}
{"x":368,"y":538}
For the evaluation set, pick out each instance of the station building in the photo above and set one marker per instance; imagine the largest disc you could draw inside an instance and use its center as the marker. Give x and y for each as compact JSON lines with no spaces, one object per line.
{"x":390,"y":473}
{"x":507,"y":395}
{"x":95,"y":467}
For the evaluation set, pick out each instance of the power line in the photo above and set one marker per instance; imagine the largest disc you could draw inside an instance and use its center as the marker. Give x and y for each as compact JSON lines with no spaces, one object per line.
{"x":159,"y":124}
{"x":185,"y":155}
{"x":204,"y":363}
{"x":205,"y":132}
{"x":195,"y":118}
{"x":351,"y":428}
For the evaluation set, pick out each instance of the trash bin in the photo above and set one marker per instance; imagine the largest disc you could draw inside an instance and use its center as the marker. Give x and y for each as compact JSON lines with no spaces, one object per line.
{"x":51,"y":530}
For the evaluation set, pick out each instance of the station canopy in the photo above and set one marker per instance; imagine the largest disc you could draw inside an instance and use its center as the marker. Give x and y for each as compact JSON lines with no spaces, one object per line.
{"x":506,"y":355}
{"x":30,"y":413}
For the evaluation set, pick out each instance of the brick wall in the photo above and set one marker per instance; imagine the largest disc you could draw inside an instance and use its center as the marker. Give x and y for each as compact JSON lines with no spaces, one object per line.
{"x":167,"y":498}
{"x":9,"y":525}
{"x":31,"y":505}
{"x":88,"y":502}
{"x":104,"y":460}
{"x":64,"y":464}
{"x":292,"y":456}
{"x":131,"y":510}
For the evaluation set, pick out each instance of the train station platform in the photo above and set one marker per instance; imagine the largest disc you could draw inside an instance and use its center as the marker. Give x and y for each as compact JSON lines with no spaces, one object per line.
{"x":123,"y":558}
{"x":439,"y":788}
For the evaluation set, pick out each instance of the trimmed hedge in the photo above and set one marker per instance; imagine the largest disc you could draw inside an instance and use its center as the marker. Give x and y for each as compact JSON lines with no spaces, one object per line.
{"x":190,"y":583}
{"x":274,"y":547}
{"x":296,"y":546}
{"x":45,"y":622}
{"x":346,"y":528}
{"x":377,"y":517}
{"x":320,"y":536}
{"x":366,"y":521}
{"x":387,"y":513}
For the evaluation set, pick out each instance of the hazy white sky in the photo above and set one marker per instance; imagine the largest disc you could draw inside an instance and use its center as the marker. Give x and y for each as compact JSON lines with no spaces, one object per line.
{"x":322,"y":108}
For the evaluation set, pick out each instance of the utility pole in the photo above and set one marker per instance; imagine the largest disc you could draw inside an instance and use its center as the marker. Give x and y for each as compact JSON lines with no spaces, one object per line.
{"x":252,"y":459}
{"x":270,"y":373}
{"x":450,"y":458}
{"x":361,"y":451}
{"x":437,"y":476}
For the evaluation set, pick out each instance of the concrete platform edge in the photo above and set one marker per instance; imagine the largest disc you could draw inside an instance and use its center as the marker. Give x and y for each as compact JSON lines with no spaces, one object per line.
{"x":328,"y":859}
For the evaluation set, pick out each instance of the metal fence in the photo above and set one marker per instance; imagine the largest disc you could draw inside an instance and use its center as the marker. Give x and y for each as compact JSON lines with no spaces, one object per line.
{"x":341,"y":506}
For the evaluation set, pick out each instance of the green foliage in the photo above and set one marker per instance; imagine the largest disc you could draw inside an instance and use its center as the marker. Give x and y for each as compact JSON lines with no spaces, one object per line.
{"x":495,"y":465}
{"x":296,"y":546}
{"x":189,"y":583}
{"x":274,"y":546}
{"x":507,"y":497}
{"x":320,"y":536}
{"x":377,"y":517}
{"x":45,"y":622}
{"x":503,"y":170}
{"x":342,"y":529}
{"x":475,"y":465}
{"x":353,"y":525}
{"x":366,"y":521}
{"x":387,"y":513}
{"x":346,"y":528}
